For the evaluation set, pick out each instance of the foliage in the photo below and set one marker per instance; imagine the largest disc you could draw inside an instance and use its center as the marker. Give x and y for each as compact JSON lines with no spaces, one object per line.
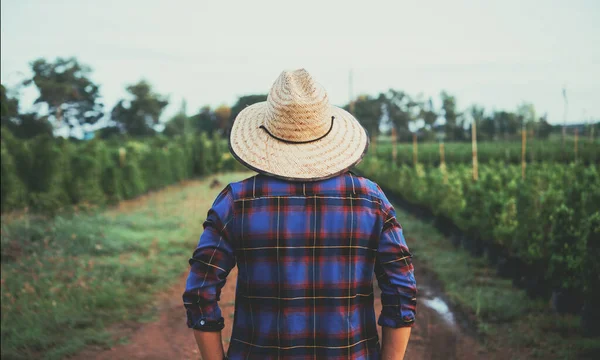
{"x":493,"y":151}
{"x":49,"y":174}
{"x":538,"y":220}
{"x":178,"y":124}
{"x":65,"y":87}
{"x":369,"y":110}
{"x":141,"y":113}
{"x":453,"y":127}
{"x":12,"y":190}
{"x":9,"y":107}
{"x":24,"y":126}
{"x":511,"y":325}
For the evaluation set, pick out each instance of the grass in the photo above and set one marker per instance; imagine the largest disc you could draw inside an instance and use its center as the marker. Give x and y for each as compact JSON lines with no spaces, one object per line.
{"x":64,"y":280}
{"x":508,"y":322}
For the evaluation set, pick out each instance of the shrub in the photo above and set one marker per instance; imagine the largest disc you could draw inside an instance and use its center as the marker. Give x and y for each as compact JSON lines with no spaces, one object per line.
{"x":12,"y":190}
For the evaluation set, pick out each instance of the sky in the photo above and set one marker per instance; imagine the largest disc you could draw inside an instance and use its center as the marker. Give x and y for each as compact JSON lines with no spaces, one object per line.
{"x":497,"y":54}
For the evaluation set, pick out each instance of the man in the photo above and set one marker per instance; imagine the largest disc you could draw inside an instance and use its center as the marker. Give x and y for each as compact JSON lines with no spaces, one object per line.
{"x":307,"y":236}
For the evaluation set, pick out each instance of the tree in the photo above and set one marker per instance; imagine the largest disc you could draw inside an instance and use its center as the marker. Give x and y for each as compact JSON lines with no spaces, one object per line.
{"x":487,"y":128}
{"x":72,"y":98}
{"x":204,"y":121}
{"x":428,"y":113}
{"x":23,"y":126}
{"x":507,"y":122}
{"x":139,"y":115}
{"x":478,"y":116}
{"x":368,"y":111}
{"x":454,"y":126}
{"x":9,"y":107}
{"x":400,"y":109}
{"x":222,"y":118}
{"x":178,"y":124}
{"x":544,"y":128}
{"x":526,"y":116}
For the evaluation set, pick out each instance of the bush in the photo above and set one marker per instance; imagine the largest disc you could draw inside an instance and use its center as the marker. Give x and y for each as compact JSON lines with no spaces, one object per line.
{"x":47,"y":173}
{"x":12,"y":190}
{"x":86,"y":175}
{"x":540,"y":225}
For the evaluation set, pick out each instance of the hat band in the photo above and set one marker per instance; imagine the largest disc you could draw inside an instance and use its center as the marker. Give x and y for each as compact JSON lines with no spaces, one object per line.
{"x":298,"y":142}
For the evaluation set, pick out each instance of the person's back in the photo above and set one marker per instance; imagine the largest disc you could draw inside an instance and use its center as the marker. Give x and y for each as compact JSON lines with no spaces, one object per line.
{"x":306,"y":252}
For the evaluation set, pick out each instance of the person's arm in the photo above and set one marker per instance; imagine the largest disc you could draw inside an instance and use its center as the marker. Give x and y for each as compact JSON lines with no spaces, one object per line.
{"x":394,"y":342}
{"x":210,"y":263}
{"x":395,"y":276}
{"x":210,"y":345}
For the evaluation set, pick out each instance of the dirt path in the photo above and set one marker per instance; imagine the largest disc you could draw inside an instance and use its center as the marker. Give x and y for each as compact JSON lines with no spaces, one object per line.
{"x":436,"y":334}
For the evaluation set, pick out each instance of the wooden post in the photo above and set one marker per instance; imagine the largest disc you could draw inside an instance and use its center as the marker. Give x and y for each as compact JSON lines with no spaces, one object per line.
{"x":443,"y":163}
{"x":394,"y":146}
{"x":122,"y":154}
{"x":415,"y":149}
{"x":576,"y":139}
{"x":474,"y":150}
{"x":523,"y":150}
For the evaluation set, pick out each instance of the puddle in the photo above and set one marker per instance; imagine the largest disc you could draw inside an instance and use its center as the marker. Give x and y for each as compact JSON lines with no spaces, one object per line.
{"x":440,"y":306}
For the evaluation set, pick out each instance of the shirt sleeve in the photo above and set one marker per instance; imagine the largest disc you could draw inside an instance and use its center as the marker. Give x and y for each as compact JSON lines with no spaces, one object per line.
{"x":210,"y":263}
{"x":395,"y":273}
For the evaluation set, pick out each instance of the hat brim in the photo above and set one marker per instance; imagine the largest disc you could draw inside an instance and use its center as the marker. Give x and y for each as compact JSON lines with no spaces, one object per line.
{"x":341,"y":149}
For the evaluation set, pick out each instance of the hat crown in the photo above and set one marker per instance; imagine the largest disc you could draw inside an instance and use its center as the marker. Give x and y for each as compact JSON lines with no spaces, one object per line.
{"x":298,"y":108}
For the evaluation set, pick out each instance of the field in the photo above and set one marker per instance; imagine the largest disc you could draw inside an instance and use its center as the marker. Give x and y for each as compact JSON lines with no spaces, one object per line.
{"x":538,"y":228}
{"x":88,"y":249}
{"x":588,"y":151}
{"x":65,"y":279}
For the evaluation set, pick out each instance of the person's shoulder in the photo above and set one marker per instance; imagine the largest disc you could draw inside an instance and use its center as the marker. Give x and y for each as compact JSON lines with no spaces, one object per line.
{"x":243,"y":188}
{"x":367,"y":185}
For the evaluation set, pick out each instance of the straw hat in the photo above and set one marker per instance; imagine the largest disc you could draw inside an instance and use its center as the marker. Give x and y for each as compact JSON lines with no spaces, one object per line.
{"x":296,"y":134}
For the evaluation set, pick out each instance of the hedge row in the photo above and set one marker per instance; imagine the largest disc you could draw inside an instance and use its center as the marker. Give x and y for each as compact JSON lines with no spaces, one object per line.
{"x":46,"y":174}
{"x":543,"y":231}
{"x":506,"y":151}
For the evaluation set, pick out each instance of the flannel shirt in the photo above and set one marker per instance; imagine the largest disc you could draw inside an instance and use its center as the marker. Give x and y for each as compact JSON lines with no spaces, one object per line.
{"x":306,"y":254}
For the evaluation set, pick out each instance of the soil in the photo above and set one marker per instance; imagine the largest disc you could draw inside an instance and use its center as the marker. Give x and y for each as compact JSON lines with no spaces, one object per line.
{"x":439,"y":333}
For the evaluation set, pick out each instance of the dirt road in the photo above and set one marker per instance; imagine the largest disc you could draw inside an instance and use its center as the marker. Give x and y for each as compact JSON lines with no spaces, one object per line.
{"x":436,"y":335}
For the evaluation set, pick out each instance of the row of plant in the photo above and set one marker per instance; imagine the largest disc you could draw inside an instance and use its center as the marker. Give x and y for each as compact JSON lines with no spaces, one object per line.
{"x":588,"y":151}
{"x":45,"y":174}
{"x":542,"y":231}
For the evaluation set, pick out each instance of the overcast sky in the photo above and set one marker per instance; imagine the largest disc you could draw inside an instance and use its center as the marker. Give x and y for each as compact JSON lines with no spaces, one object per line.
{"x":493,"y":53}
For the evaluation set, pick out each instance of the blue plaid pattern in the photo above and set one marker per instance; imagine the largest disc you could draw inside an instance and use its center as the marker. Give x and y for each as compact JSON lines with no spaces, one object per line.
{"x":306,"y":254}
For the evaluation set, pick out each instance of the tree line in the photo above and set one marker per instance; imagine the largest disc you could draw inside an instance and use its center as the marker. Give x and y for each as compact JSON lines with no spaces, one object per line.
{"x":68,"y":98}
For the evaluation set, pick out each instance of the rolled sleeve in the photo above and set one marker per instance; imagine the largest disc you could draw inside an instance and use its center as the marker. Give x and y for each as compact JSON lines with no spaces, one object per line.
{"x":395,"y":274}
{"x":210,"y":264}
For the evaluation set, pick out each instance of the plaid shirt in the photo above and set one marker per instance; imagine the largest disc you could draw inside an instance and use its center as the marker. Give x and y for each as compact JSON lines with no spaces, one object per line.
{"x":306,"y":253}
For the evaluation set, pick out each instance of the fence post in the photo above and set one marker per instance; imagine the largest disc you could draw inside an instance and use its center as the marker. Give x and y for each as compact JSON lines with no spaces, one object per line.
{"x":443,"y":163}
{"x":474,"y":150}
{"x":122,"y":154}
{"x":415,"y":150}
